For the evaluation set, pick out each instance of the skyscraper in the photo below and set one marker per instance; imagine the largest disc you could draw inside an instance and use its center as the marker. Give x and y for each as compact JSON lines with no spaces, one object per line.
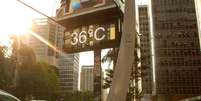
{"x":145,"y":48}
{"x":177,"y":57}
{"x":46,"y":29}
{"x":68,"y":65}
{"x":86,"y":78}
{"x":198,"y":13}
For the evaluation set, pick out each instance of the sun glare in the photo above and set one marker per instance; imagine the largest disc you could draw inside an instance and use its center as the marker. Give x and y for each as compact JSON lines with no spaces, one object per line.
{"x":14,"y":19}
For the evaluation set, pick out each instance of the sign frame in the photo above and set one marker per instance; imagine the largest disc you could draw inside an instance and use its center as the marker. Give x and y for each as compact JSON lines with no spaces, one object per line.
{"x":97,"y":43}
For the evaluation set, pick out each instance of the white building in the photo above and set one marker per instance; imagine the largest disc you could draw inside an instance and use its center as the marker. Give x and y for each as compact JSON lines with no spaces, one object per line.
{"x":46,"y":30}
{"x":87,"y":78}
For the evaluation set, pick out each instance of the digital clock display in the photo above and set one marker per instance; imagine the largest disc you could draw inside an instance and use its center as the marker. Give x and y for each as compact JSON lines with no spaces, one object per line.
{"x":90,"y":37}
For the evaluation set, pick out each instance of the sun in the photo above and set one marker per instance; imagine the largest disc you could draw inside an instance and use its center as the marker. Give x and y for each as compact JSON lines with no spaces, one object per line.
{"x":20,"y":25}
{"x":14,"y":18}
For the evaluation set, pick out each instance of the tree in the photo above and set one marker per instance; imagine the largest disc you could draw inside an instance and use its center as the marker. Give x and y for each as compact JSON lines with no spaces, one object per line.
{"x":111,"y":56}
{"x":34,"y":79}
{"x":5,"y":69}
{"x":38,"y":81}
{"x":79,"y":96}
{"x":108,"y":79}
{"x":2,"y":67}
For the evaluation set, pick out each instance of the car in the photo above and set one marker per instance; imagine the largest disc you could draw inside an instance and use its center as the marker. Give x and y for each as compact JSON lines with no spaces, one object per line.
{"x":5,"y":96}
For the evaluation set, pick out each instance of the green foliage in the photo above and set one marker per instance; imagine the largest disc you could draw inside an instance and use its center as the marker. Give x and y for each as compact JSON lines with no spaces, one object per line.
{"x":5,"y":69}
{"x":108,"y":79}
{"x":38,"y":80}
{"x":79,"y":96}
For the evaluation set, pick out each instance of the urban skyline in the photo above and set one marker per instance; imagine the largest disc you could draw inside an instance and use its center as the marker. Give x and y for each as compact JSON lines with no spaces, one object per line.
{"x":177,"y":60}
{"x":155,"y":51}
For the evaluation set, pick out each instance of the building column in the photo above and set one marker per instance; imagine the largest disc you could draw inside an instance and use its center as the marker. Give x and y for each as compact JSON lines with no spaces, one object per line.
{"x":97,"y":75}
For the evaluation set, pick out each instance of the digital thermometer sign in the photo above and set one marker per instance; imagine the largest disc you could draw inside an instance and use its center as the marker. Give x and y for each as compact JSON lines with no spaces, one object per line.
{"x":90,"y":37}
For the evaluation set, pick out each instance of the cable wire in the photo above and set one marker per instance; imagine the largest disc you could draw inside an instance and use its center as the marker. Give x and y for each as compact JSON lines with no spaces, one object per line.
{"x":38,"y":11}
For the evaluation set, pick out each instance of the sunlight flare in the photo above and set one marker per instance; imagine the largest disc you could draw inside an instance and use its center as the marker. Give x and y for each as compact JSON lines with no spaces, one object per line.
{"x":45,"y":41}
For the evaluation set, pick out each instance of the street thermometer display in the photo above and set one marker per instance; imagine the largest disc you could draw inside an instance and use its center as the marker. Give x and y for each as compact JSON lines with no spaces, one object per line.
{"x":90,"y":37}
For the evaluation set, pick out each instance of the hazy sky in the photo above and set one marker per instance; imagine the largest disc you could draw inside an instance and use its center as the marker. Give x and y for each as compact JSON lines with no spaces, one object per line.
{"x":14,"y":16}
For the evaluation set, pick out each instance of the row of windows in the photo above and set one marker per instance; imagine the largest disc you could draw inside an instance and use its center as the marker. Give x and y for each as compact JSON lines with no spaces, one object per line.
{"x":181,"y":83}
{"x":175,"y":90}
{"x":145,"y":52}
{"x":142,"y":29}
{"x":174,"y":26}
{"x":177,"y":35}
{"x":66,"y":84}
{"x":143,"y":9}
{"x":175,"y":11}
{"x":173,"y":2}
{"x":176,"y":44}
{"x":174,"y":75}
{"x":143,"y":18}
{"x":177,"y":52}
{"x":144,"y":21}
{"x":145,"y":38}
{"x":145,"y":44}
{"x":66,"y":80}
{"x":179,"y":63}
{"x":69,"y":72}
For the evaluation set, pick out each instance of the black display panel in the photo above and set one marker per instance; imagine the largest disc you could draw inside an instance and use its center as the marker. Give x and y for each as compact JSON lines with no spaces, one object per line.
{"x":90,"y":37}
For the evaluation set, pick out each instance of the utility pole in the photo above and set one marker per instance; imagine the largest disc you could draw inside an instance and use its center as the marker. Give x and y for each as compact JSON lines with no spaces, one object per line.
{"x":121,"y":79}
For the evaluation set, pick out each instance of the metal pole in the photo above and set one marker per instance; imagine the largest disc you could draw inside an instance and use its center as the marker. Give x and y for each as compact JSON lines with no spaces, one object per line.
{"x":97,"y":75}
{"x":125,"y":59}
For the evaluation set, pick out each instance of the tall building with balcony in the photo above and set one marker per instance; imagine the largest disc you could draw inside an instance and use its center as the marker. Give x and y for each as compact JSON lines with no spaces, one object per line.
{"x":177,"y":56}
{"x":86,"y":78}
{"x":46,"y":30}
{"x":145,"y":48}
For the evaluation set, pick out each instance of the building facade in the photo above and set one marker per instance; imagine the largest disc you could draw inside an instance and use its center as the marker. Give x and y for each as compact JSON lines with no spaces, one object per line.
{"x":177,"y":57}
{"x":86,"y":78}
{"x":46,"y":30}
{"x":68,"y":65}
{"x":145,"y":48}
{"x":198,"y":13}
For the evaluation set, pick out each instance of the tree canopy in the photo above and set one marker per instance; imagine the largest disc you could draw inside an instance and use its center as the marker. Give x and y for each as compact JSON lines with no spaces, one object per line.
{"x":32,"y":79}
